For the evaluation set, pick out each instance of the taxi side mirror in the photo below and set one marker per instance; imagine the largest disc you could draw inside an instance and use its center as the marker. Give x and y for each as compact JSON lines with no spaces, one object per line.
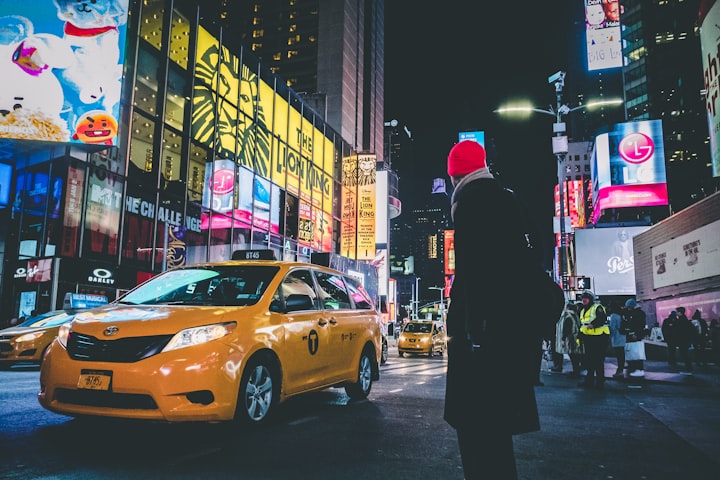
{"x":297,"y":302}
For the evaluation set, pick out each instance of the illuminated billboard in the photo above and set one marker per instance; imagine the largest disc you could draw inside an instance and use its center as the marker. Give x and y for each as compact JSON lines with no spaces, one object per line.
{"x":628,"y":167}
{"x":478,"y":136}
{"x":602,"y":34}
{"x":62,"y":64}
{"x":709,"y":19}
{"x":606,"y":256}
{"x":574,"y":203}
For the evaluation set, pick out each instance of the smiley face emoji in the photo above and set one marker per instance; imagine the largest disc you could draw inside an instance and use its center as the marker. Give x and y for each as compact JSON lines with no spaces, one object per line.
{"x":96,"y":126}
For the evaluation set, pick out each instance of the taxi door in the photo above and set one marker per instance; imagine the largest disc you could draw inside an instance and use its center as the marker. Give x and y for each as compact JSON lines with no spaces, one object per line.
{"x":306,"y":354}
{"x":346,"y":327}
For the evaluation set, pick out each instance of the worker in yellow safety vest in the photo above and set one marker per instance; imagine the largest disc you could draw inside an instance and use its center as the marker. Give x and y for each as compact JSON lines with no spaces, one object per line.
{"x":595,"y":335}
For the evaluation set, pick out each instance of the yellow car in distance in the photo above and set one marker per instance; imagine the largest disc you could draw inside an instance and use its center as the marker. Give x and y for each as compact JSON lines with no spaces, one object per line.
{"x":424,"y":337}
{"x":226,"y":341}
{"x":27,"y":342}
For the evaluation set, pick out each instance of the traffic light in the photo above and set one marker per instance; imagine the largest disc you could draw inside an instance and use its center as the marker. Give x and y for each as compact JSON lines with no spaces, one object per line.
{"x":582,"y":283}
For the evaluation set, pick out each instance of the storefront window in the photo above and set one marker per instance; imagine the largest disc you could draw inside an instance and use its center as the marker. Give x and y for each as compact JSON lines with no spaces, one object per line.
{"x":137,"y":245}
{"x":103,"y":207}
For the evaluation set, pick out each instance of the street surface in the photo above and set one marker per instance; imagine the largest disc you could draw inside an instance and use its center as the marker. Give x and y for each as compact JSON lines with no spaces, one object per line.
{"x":666,"y":427}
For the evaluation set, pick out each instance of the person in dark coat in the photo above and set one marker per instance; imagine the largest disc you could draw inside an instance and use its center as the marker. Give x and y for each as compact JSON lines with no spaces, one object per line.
{"x":492,"y":349}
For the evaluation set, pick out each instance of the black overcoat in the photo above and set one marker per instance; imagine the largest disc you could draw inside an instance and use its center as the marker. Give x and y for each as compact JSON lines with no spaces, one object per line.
{"x":493,"y":304}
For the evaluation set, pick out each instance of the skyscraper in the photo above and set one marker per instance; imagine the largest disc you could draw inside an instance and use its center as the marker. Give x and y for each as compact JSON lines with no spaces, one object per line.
{"x":330,"y":52}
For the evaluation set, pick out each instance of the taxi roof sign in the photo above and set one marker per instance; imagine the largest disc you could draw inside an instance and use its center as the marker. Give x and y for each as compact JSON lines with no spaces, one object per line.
{"x":83,"y":300}
{"x":254,"y":255}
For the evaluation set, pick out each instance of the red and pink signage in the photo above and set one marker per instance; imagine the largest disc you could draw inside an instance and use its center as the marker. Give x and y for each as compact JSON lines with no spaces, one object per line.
{"x":629,"y":167}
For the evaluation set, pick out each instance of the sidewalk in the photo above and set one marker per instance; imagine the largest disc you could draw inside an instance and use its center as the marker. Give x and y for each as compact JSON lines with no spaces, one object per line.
{"x":657,"y":370}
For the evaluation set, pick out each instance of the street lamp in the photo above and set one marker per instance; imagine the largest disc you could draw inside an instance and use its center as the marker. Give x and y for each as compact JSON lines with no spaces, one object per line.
{"x":560,"y":146}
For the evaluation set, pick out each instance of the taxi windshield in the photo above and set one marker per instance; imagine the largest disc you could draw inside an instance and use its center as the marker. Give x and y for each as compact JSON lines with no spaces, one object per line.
{"x":49,"y":319}
{"x":418,"y":328}
{"x":205,"y":285}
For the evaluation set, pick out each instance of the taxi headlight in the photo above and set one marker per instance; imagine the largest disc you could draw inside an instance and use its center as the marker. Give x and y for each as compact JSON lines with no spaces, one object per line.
{"x":198,"y":335}
{"x":28,"y":337}
{"x":63,"y":334}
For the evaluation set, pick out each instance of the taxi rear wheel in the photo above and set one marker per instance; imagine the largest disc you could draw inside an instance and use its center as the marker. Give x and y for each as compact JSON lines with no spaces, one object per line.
{"x":256,"y":399}
{"x":361,"y":388}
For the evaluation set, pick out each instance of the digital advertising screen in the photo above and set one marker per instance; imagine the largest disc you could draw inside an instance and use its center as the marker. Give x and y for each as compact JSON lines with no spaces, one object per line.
{"x":62,"y":64}
{"x":629,"y":167}
{"x":606,"y":256}
{"x":602,"y":34}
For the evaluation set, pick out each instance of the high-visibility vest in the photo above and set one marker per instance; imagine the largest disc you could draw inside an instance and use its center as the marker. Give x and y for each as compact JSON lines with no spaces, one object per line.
{"x":587,"y":317}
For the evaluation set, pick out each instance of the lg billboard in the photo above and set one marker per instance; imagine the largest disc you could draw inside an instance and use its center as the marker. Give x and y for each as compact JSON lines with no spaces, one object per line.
{"x":628,"y":167}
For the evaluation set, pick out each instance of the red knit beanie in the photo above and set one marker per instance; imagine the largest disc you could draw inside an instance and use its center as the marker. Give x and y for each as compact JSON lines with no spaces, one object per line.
{"x":465,"y":157}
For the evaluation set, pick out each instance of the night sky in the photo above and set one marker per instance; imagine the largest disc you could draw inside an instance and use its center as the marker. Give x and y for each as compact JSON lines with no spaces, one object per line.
{"x":449,"y":65}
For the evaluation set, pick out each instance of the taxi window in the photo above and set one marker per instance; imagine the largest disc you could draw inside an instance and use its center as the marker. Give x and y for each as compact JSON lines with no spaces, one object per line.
{"x":359,"y":294}
{"x":333,"y":292}
{"x":298,"y":283}
{"x":215,"y":285}
{"x":417,"y":327}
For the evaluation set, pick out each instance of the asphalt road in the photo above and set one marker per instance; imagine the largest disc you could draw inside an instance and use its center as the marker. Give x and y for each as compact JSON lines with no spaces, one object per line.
{"x":665,"y":427}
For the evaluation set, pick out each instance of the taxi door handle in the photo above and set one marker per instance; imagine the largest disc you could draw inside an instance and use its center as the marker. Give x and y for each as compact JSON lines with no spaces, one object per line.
{"x":333,"y":321}
{"x":322,"y":322}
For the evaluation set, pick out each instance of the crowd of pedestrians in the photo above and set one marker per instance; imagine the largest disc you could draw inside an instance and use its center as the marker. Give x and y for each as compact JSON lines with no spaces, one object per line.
{"x":588,"y":332}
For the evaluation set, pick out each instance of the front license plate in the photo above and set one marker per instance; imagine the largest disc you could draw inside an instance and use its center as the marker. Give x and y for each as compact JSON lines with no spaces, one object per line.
{"x":95,"y":380}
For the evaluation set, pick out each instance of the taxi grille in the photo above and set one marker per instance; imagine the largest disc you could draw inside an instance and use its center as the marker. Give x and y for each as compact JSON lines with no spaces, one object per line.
{"x":123,"y":350}
{"x":93,"y":398}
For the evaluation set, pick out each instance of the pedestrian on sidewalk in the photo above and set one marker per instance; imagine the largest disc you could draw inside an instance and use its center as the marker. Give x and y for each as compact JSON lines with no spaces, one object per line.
{"x":595,"y":335}
{"x":567,"y":331}
{"x":635,"y":338}
{"x":617,"y":337}
{"x":669,"y":330}
{"x":715,"y":341}
{"x":701,"y":337}
{"x":489,"y":394}
{"x":685,"y":339}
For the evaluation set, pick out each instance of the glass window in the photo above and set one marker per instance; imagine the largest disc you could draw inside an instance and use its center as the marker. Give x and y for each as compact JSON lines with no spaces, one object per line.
{"x":151,"y":22}
{"x":333,"y":292}
{"x":103,"y":208}
{"x":175,"y":99}
{"x":199,"y":158}
{"x":179,"y":39}
{"x":143,"y":167}
{"x":360,"y":296}
{"x":146,"y":86}
{"x":232,"y":285}
{"x":298,"y":282}
{"x":171,"y":171}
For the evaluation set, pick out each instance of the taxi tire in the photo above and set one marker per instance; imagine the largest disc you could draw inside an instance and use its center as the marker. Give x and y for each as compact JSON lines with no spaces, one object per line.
{"x":384,"y":354}
{"x":361,"y":388}
{"x":257,"y":396}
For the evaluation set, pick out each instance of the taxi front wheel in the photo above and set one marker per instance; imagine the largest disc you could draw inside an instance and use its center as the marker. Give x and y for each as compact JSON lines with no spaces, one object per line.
{"x":361,"y":388}
{"x":256,"y":398}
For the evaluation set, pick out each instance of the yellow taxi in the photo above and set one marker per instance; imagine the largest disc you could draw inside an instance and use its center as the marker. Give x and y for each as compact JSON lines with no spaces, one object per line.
{"x":422,"y":337}
{"x":226,"y":341}
{"x":27,"y":342}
